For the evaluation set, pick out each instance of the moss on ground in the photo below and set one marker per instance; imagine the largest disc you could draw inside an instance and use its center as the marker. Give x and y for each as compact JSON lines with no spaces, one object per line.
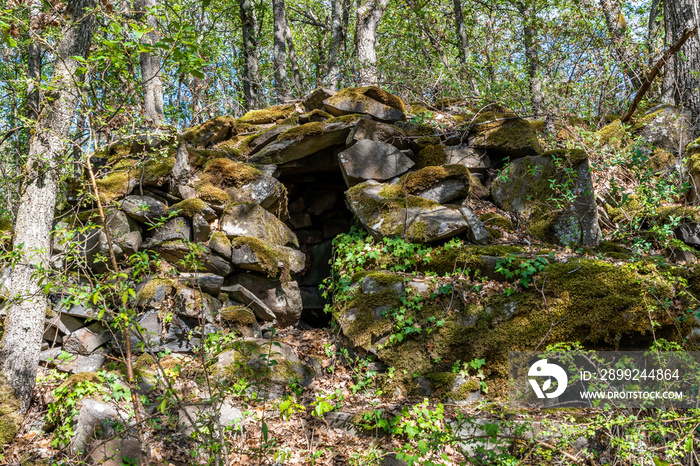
{"x":495,"y":220}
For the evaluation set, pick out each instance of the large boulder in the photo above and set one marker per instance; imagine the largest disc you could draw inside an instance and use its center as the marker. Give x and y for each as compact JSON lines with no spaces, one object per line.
{"x":142,"y":208}
{"x":248,"y":219}
{"x":665,"y":127}
{"x":505,"y":135}
{"x":371,"y":160}
{"x":271,"y":365}
{"x":370,"y":100}
{"x":386,"y":210}
{"x":257,"y":255}
{"x":555,"y":194}
{"x":304,"y":140}
{"x":377,"y":131}
{"x":283,"y":298}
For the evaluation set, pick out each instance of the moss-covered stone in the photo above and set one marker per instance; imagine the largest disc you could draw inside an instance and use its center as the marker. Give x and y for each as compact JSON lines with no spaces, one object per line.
{"x":267,"y":257}
{"x":267,"y":115}
{"x":431,"y":155}
{"x":119,"y":182}
{"x":495,"y":220}
{"x":155,"y":291}
{"x":373,"y":92}
{"x":210,"y":194}
{"x":189,"y":207}
{"x":10,"y":413}
{"x":211,"y":132}
{"x":614,"y":135}
{"x":225,"y":172}
{"x":505,"y":132}
{"x":220,"y":243}
{"x":237,"y":315}
{"x":420,"y":180}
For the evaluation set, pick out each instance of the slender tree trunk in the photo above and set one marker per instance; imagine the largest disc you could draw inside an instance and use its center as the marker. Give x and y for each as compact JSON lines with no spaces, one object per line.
{"x":369,"y":14}
{"x":462,"y":37}
{"x":21,"y":342}
{"x":682,"y":15}
{"x":279,"y":52}
{"x":617,"y":28}
{"x":293,"y":59}
{"x":337,"y":42}
{"x":150,"y":66}
{"x":251,"y":79}
{"x":529,"y":15}
{"x":34,"y":61}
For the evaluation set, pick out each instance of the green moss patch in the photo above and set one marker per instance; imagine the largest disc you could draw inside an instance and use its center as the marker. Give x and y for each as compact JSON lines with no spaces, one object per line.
{"x":189,"y":207}
{"x":431,"y":155}
{"x":225,"y":172}
{"x":10,"y":413}
{"x":267,"y":115}
{"x":210,"y":194}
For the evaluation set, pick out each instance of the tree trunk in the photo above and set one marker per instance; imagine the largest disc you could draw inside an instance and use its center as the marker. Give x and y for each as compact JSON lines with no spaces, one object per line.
{"x":21,"y":343}
{"x":150,"y":66}
{"x":293,"y":59}
{"x":681,"y":15}
{"x":251,"y":80}
{"x":462,"y":37}
{"x":34,"y":61}
{"x":617,"y":28}
{"x":338,"y":7}
{"x":279,"y":52}
{"x":369,"y":14}
{"x":529,"y":15}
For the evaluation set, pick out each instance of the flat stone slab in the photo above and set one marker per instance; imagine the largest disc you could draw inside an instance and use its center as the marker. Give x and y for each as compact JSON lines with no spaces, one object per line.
{"x":243,"y":295}
{"x":372,"y":160}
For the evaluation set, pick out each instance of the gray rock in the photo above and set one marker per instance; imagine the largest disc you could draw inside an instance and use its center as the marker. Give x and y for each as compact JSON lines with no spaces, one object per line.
{"x":370,"y":286}
{"x":149,"y":331}
{"x":314,"y":101}
{"x":525,"y":187}
{"x":217,"y":265}
{"x":384,"y":216}
{"x":119,"y":452}
{"x":362,"y":100}
{"x":253,"y":220}
{"x":263,"y":138}
{"x":667,"y":128}
{"x":265,"y":191}
{"x":282,"y":298}
{"x":87,"y":339}
{"x":200,"y":228}
{"x":379,"y":132}
{"x":253,"y":354}
{"x":475,"y":160}
{"x":142,"y":208}
{"x":130,"y":242}
{"x":180,"y":335}
{"x":446,"y":190}
{"x":73,"y":363}
{"x":220,"y":244}
{"x":319,"y":202}
{"x":95,"y":420}
{"x":207,"y":282}
{"x":247,"y":298}
{"x":371,"y":160}
{"x":689,"y":233}
{"x":478,"y":232}
{"x":118,"y":223}
{"x":505,"y":136}
{"x":248,"y":258}
{"x":60,"y":325}
{"x":175,"y":228}
{"x":226,"y":415}
{"x":305,"y":141}
{"x":193,"y":303}
{"x":241,"y":319}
